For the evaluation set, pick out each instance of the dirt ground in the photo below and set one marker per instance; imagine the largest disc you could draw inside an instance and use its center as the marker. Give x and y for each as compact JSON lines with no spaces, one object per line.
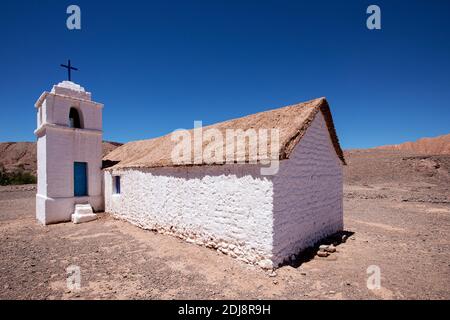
{"x":401,"y":225}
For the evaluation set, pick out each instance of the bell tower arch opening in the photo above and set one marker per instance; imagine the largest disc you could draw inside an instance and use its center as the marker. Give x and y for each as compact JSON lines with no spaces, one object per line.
{"x":75,"y":118}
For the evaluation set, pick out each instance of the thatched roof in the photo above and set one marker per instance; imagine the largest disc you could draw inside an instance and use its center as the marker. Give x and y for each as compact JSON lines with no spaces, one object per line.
{"x":291,"y":121}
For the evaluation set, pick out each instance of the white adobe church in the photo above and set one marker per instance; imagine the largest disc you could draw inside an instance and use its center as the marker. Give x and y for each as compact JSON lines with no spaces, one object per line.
{"x":232,"y":207}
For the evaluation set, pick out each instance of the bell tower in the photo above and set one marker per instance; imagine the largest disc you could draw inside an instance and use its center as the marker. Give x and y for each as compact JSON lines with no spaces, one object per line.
{"x":69,"y":155}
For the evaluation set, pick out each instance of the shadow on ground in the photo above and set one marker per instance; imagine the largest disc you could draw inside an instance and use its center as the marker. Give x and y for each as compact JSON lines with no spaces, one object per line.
{"x":308,"y":254}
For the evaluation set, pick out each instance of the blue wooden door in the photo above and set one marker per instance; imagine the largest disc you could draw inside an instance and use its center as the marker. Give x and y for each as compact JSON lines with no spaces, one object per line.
{"x":80,"y":179}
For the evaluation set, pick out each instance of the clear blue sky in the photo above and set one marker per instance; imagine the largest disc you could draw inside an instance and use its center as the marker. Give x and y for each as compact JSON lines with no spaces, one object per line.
{"x":160,"y":65}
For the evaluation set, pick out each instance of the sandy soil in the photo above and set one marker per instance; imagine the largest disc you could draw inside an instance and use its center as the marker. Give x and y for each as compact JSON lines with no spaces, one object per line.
{"x":400,"y":225}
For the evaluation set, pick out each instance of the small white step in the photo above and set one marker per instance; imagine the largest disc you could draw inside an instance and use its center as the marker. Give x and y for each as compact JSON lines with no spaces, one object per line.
{"x":83,"y":213}
{"x":83,"y":209}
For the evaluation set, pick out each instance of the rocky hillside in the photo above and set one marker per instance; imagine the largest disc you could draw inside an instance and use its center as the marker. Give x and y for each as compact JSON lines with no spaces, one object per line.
{"x":22,"y":155}
{"x":369,"y":166}
{"x":429,"y":146}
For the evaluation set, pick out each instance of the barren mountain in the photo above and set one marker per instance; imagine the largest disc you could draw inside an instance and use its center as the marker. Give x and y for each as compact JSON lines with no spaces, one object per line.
{"x":22,"y":155}
{"x":431,"y":146}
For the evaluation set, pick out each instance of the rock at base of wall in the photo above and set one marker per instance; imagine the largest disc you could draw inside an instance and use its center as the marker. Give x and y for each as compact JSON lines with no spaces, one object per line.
{"x":266,"y":264}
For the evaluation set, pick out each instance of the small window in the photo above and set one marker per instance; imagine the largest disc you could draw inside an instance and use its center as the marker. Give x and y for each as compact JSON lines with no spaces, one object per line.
{"x":116,"y":184}
{"x":74,"y":118}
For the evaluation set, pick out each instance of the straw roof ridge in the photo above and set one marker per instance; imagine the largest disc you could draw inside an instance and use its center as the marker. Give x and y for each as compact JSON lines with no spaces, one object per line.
{"x":292,"y":122}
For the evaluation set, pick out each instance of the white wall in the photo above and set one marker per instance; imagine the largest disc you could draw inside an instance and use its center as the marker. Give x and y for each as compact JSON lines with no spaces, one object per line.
{"x":58,"y":149}
{"x":225,"y":207}
{"x":64,"y":147}
{"x":41,"y":194}
{"x":258,"y":219}
{"x":308,"y":194}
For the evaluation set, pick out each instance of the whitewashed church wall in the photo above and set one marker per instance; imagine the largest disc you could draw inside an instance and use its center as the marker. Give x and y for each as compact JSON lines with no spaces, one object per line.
{"x":308,"y":195}
{"x":41,"y":194}
{"x":228,"y":207}
{"x":57,"y":152}
{"x":64,"y":147}
{"x":42,"y":165}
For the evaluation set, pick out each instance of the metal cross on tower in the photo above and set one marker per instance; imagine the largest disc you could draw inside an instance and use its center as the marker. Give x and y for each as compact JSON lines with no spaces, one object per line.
{"x":69,"y":69}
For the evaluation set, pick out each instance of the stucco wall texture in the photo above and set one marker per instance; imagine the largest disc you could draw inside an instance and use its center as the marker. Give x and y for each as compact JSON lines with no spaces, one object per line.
{"x":308,"y":194}
{"x":257,"y":219}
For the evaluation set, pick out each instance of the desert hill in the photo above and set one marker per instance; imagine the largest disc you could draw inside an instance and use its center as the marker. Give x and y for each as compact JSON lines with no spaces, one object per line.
{"x":430,"y":146}
{"x":421,"y":167}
